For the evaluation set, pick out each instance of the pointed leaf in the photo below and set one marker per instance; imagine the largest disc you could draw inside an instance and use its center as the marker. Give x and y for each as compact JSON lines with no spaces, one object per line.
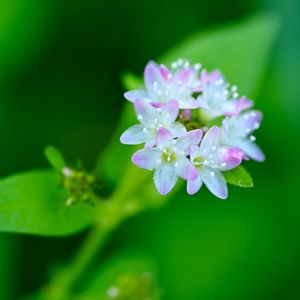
{"x":239,"y":176}
{"x":34,"y":203}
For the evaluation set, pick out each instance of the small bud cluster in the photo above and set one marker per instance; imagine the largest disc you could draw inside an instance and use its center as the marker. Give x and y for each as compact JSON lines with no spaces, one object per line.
{"x":174,"y":112}
{"x":78,"y":185}
{"x":137,"y":286}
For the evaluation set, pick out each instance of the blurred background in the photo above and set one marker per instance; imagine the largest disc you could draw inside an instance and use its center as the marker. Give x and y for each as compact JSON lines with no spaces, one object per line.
{"x":60,"y":67}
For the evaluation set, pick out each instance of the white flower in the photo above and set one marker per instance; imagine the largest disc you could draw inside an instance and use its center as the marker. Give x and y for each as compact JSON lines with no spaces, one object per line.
{"x":163,"y":85}
{"x":210,"y":159}
{"x":237,"y":132}
{"x":169,"y":159}
{"x":151,"y":120}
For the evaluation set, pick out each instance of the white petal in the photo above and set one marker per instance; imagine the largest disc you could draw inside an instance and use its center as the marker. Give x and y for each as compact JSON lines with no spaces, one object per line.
{"x":146,"y":158}
{"x":251,"y":150}
{"x":137,"y":94}
{"x":145,"y":111}
{"x":210,"y":141}
{"x":177,"y":129}
{"x":193,"y":186}
{"x":154,"y":80}
{"x":163,"y":138}
{"x":134,"y":135}
{"x":186,"y":170}
{"x":215,"y":182}
{"x":165,"y":178}
{"x":170,"y":112}
{"x":193,"y":137}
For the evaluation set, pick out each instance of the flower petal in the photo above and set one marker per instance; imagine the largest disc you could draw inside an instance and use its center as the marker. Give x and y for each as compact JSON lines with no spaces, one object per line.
{"x":146,"y":158}
{"x":137,"y":94}
{"x":210,"y":141}
{"x":229,"y":158}
{"x":188,"y":103}
{"x":170,"y":111}
{"x":177,"y":129}
{"x":154,"y":80}
{"x":193,"y":137}
{"x":251,"y":150}
{"x":145,"y":111}
{"x":186,"y":170}
{"x":165,"y":179}
{"x":215,"y":182}
{"x":234,"y":107}
{"x":134,"y":135}
{"x":193,"y":186}
{"x":163,"y":137}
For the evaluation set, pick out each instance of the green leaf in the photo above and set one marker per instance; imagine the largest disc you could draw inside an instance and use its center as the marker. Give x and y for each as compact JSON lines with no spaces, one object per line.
{"x":239,"y":50}
{"x":55,"y":158}
{"x":34,"y":203}
{"x":239,"y":176}
{"x":131,"y":81}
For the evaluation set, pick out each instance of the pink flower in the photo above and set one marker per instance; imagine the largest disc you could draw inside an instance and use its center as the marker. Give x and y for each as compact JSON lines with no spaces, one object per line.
{"x":169,"y":159}
{"x":151,"y":119}
{"x":216,"y":97}
{"x":163,"y":85}
{"x":237,"y":130}
{"x":210,"y":159}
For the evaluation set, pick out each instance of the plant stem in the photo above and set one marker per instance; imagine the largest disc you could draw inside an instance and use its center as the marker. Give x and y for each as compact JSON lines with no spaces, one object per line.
{"x":60,"y":287}
{"x":113,"y":213}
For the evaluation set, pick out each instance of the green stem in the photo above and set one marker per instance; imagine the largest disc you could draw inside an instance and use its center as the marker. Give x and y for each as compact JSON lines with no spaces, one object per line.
{"x":61,"y":286}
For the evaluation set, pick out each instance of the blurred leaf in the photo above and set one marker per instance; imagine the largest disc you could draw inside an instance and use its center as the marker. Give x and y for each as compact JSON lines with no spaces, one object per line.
{"x":55,"y":158}
{"x":130,"y":275}
{"x":131,"y":81}
{"x":34,"y":203}
{"x":23,"y":29}
{"x":239,"y":176}
{"x":240,"y":51}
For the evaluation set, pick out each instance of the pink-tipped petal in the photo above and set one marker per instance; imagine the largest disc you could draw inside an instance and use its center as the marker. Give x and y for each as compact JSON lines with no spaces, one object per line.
{"x":211,"y":140}
{"x":145,"y":111}
{"x":186,"y":170}
{"x":235,"y":107}
{"x":163,"y":137}
{"x":193,"y":137}
{"x":146,"y":158}
{"x":170,"y":111}
{"x":165,"y":179}
{"x":249,"y":121}
{"x":193,"y":186}
{"x":153,"y":78}
{"x":134,"y":135}
{"x":137,"y":94}
{"x":215,"y":182}
{"x":230,"y":157}
{"x":251,"y":150}
{"x":164,"y":72}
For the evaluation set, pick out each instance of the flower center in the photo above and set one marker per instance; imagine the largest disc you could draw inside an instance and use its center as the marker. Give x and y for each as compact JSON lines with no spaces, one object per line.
{"x":198,"y":161}
{"x":168,"y":155}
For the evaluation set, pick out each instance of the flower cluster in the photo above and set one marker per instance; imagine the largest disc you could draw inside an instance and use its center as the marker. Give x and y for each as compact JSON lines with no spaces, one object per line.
{"x":174,"y":112}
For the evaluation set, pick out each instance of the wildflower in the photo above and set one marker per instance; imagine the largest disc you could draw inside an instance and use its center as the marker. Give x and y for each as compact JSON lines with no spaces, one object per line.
{"x":237,"y":132}
{"x":210,"y":159}
{"x":169,"y":159}
{"x":163,"y":85}
{"x":151,"y":120}
{"x":217,"y":99}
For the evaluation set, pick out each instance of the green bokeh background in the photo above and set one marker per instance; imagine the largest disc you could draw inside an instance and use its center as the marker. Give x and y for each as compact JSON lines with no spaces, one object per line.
{"x":60,"y":67}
